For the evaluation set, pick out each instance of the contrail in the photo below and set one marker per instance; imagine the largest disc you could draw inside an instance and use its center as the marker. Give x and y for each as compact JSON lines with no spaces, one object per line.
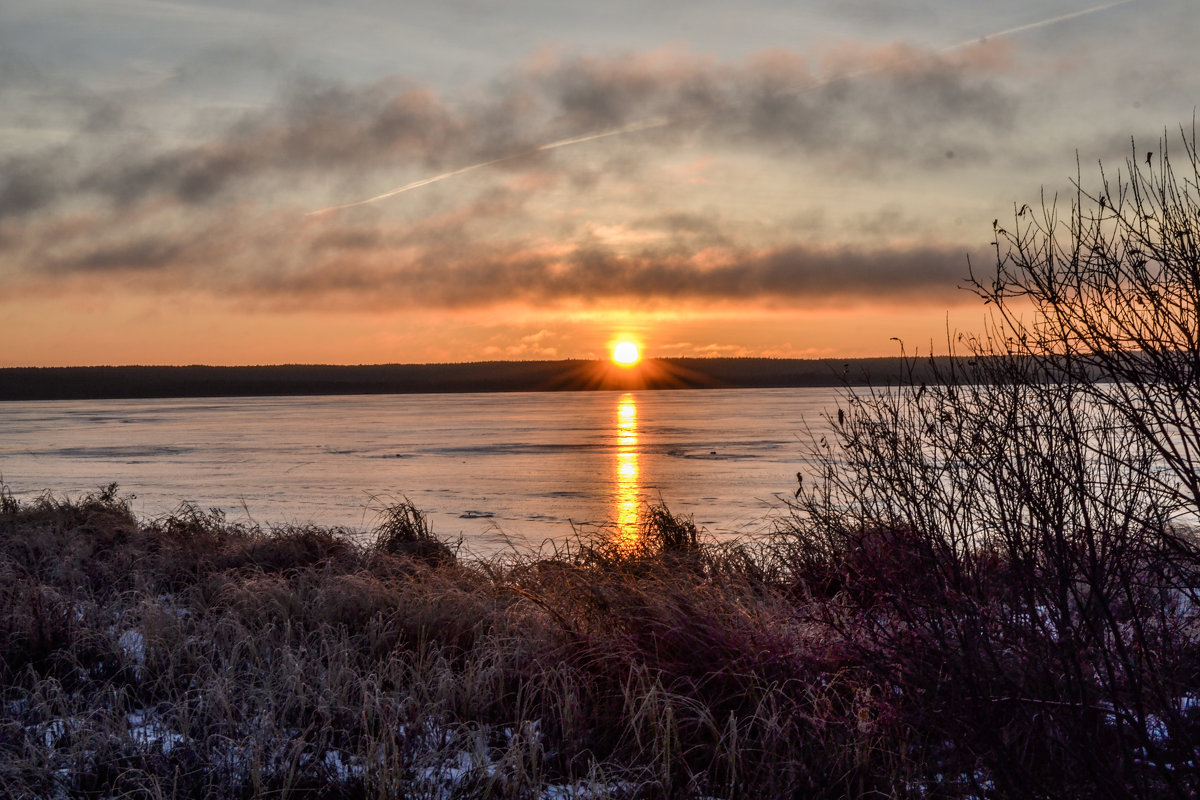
{"x":976,"y":41}
{"x":657,"y":122}
{"x":1040,"y":24}
{"x":641,"y":125}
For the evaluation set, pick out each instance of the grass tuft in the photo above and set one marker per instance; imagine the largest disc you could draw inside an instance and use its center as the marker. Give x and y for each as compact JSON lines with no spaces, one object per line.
{"x":403,"y":529}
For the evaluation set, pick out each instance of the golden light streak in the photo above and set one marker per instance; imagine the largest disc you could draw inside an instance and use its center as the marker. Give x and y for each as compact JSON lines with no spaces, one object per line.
{"x":628,"y":487}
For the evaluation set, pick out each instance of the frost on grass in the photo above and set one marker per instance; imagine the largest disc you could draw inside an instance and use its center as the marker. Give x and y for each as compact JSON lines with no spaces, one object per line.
{"x":295,"y":662}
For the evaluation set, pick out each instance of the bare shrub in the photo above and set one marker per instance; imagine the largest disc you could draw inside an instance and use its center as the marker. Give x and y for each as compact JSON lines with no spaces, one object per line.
{"x":1110,"y":295}
{"x":1005,"y":542}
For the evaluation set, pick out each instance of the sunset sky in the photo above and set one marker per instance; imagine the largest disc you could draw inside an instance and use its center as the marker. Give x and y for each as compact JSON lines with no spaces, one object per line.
{"x":216,"y":182}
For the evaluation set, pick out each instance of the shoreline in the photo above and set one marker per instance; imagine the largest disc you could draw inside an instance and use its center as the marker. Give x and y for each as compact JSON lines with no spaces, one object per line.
{"x":129,"y":382}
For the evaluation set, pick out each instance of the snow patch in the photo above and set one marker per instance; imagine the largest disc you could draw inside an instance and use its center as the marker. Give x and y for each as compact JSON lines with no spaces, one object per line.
{"x":149,"y":732}
{"x":133,"y":645}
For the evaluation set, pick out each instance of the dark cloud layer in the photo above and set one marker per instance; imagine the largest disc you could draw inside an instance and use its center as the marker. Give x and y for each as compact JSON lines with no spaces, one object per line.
{"x":328,"y":264}
{"x":793,"y":276}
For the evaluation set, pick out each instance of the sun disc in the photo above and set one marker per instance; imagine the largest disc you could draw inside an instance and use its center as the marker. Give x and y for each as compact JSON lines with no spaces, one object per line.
{"x":626,"y":354}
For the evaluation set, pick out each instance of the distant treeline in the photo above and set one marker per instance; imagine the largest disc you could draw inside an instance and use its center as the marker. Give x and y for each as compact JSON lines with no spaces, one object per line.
{"x":60,"y":383}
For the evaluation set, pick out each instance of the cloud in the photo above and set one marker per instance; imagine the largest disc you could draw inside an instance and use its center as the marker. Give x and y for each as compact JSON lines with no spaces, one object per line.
{"x":900,"y":105}
{"x":223,"y":214}
{"x":18,"y":71}
{"x":264,"y":260}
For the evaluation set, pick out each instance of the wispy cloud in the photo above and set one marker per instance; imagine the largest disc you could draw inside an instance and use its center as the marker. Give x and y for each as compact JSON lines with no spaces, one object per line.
{"x":318,"y":128}
{"x":226,"y":214}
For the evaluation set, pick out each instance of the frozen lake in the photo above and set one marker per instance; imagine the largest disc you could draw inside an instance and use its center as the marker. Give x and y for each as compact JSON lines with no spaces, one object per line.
{"x":519,"y":467}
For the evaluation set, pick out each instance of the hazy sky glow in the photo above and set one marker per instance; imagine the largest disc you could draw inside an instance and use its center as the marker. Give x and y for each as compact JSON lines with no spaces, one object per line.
{"x":533,"y":179}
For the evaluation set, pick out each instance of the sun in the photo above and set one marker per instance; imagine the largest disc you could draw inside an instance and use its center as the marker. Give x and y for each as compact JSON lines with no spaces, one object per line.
{"x":626,"y":353}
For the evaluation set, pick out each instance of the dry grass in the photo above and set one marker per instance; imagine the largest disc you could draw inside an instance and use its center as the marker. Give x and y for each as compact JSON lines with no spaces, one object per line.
{"x":191,"y":657}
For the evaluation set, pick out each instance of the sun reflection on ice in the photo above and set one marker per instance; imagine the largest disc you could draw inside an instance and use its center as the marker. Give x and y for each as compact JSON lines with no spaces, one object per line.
{"x":628,"y":488}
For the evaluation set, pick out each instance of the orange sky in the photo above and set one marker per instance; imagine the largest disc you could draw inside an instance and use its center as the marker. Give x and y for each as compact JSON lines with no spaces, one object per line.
{"x":198,"y":330}
{"x":800,"y":180}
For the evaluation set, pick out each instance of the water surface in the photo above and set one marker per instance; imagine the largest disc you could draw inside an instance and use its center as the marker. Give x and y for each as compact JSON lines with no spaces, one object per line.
{"x":493,"y":468}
